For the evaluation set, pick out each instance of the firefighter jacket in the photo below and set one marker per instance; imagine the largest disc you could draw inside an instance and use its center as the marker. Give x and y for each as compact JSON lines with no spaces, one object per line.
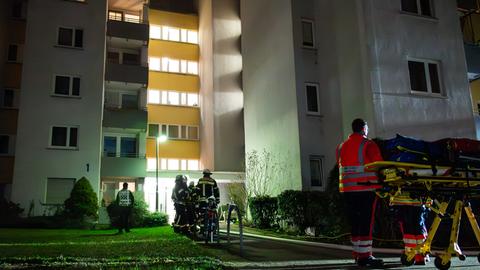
{"x":192,"y":195}
{"x":352,"y":155}
{"x":125,"y":198}
{"x":180,"y":193}
{"x":207,"y":187}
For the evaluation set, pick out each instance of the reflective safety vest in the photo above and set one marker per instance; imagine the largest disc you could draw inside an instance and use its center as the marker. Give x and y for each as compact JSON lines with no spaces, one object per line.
{"x":353,"y":177}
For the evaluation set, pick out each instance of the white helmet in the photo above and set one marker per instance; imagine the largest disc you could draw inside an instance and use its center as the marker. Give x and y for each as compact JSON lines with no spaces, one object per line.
{"x":206,"y":171}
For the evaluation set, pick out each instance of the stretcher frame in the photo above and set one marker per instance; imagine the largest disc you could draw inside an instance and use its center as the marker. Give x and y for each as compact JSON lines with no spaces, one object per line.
{"x":454,"y":186}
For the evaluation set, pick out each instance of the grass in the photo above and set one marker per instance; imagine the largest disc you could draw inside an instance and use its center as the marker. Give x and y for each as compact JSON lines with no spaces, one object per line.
{"x":146,"y":246}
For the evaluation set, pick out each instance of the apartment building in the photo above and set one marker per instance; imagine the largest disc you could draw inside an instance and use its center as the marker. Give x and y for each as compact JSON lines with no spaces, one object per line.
{"x":12,"y":37}
{"x":310,"y":67}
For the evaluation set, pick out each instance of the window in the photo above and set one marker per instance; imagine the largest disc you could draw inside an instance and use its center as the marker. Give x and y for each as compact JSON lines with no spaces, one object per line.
{"x":64,"y":137}
{"x":153,"y":130}
{"x":424,"y":76}
{"x":166,"y":97}
{"x":174,"y":131}
{"x":131,"y":59}
{"x":8,"y":98}
{"x":115,"y":15}
{"x":113,"y":57}
{"x":478,"y":108}
{"x":128,"y":147}
{"x":308,"y":33}
{"x":316,"y":171}
{"x":166,"y":64}
{"x":70,"y":37}
{"x":419,"y":7}
{"x":192,"y":133}
{"x":58,"y":190}
{"x":129,"y":101}
{"x":12,"y":53}
{"x":132,"y":18}
{"x":4,"y":141}
{"x":313,"y":99}
{"x":173,"y":164}
{"x":173,"y":34}
{"x":17,"y":9}
{"x":67,"y":85}
{"x":110,"y":146}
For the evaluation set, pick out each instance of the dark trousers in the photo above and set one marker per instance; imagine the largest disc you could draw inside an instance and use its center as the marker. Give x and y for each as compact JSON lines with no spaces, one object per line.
{"x":360,"y":209}
{"x":124,"y":218}
{"x":181,"y":219}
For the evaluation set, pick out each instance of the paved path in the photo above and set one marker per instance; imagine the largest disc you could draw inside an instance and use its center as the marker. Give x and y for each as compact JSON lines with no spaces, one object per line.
{"x":261,"y":253}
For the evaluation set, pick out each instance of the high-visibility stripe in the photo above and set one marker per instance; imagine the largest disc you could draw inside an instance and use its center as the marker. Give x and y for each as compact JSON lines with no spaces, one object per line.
{"x":358,"y":175}
{"x":363,"y":249}
{"x":362,"y":243}
{"x":352,"y":169}
{"x":360,"y":152}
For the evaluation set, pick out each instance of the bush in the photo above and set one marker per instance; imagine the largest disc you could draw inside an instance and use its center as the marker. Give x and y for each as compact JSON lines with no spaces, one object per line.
{"x":83,"y":201}
{"x":140,"y":216}
{"x":10,"y":212}
{"x":264,"y":211}
{"x":238,"y":195}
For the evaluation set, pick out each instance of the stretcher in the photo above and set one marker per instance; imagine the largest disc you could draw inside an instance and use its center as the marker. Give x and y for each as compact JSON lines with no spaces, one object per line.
{"x":444,"y":185}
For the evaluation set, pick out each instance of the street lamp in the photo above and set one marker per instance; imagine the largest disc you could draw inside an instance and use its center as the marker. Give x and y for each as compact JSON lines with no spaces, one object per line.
{"x":159,"y":140}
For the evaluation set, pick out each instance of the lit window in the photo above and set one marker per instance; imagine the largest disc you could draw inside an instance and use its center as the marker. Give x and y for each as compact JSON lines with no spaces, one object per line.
{"x":132,"y":18}
{"x":192,"y":37}
{"x":183,"y":35}
{"x":153,"y":96}
{"x":174,"y":98}
{"x":173,"y":164}
{"x":154,"y":63}
{"x":163,"y":163}
{"x":183,"y":66}
{"x":308,"y":33}
{"x":313,"y":100}
{"x":174,"y":34}
{"x":183,"y":98}
{"x":173,"y":65}
{"x":192,"y":67}
{"x":424,"y":76}
{"x":70,"y":37}
{"x":192,"y":100}
{"x":165,"y":97}
{"x":419,"y":7}
{"x":151,"y":164}
{"x":155,"y":32}
{"x":164,"y":65}
{"x":316,"y":171}
{"x":64,"y":137}
{"x":183,"y":164}
{"x":192,"y":165}
{"x":115,"y":15}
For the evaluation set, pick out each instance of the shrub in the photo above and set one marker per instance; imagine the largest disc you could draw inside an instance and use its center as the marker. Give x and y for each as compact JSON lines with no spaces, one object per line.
{"x":264,"y":211}
{"x":10,"y":212}
{"x":140,"y":216}
{"x":83,"y":201}
{"x":155,"y":219}
{"x":238,"y":195}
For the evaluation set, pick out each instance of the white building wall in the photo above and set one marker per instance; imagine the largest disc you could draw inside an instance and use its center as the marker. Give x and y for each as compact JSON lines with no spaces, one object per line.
{"x":35,"y":162}
{"x":269,"y":85}
{"x":393,"y":37}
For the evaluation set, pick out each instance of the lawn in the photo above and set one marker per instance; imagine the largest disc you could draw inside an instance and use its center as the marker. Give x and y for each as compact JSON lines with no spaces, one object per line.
{"x":157,"y":247}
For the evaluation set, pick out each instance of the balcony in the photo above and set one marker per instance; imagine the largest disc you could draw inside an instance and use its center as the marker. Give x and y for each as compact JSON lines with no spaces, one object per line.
{"x":472,"y":55}
{"x":135,"y":74}
{"x":124,"y":166}
{"x":128,"y":30}
{"x":123,"y":118}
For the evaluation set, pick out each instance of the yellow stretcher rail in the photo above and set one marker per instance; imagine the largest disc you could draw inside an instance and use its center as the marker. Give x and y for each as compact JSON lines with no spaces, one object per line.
{"x":444,"y":185}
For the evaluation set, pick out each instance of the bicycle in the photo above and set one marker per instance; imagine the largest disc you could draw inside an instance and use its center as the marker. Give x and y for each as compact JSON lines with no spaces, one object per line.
{"x":211,"y":229}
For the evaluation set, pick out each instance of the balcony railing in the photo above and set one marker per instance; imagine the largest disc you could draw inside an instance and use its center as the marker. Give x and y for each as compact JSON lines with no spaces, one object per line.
{"x":123,"y":155}
{"x":128,"y":30}
{"x":124,"y":166}
{"x":129,"y":119}
{"x":126,"y":73}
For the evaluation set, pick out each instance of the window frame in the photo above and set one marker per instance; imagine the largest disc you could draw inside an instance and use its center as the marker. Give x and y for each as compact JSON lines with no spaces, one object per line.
{"x":57,"y":178}
{"x":70,"y":85}
{"x":74,"y":33}
{"x":317,"y":88}
{"x":312,"y":23}
{"x":9,"y":142}
{"x":17,"y":53}
{"x":163,"y":164}
{"x":167,"y":93}
{"x":426,"y":68}
{"x":321,"y":160}
{"x":14,"y":101}
{"x":67,"y":146}
{"x":419,"y":9}
{"x":180,"y":131}
{"x":118,"y":144}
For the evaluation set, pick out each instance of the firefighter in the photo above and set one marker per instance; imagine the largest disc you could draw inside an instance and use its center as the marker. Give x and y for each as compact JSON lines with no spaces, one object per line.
{"x":125,"y":202}
{"x":179,"y":197}
{"x":358,"y":187}
{"x":411,"y":213}
{"x":207,"y":186}
{"x":192,"y":206}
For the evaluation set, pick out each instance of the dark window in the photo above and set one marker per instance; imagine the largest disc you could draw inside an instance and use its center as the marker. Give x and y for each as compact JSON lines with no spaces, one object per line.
{"x":12,"y":53}
{"x":58,"y":190}
{"x":417,"y":76}
{"x":164,"y":130}
{"x":173,"y":132}
{"x":4,"y":144}
{"x":308,"y":35}
{"x":76,"y":87}
{"x":8,"y":98}
{"x":426,"y":8}
{"x":110,"y":146}
{"x":17,"y":10}
{"x":312,"y":98}
{"x":478,"y":108}
{"x":410,"y":6}
{"x":316,"y":172}
{"x":65,"y":36}
{"x":153,"y":130}
{"x":73,"y":137}
{"x":129,"y":101}
{"x":128,"y":147}
{"x":131,"y":59}
{"x":193,"y":133}
{"x":78,"y":38}
{"x":434,"y":79}
{"x":59,"y":136}
{"x":62,"y":85}
{"x":113,"y":57}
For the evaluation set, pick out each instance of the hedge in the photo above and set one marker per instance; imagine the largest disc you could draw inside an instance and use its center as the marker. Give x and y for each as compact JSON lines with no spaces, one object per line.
{"x":264,"y":211}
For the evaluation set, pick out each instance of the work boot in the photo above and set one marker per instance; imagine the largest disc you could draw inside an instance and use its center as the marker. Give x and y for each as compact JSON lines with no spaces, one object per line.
{"x":370,"y":261}
{"x":421,"y":260}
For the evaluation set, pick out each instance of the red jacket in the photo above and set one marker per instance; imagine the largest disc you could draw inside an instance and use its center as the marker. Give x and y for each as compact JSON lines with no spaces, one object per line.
{"x":352,"y":155}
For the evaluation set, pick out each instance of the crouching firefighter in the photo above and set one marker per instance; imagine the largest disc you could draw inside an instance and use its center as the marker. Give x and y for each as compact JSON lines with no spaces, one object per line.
{"x":179,"y":197}
{"x":358,"y":187}
{"x":411,"y":213}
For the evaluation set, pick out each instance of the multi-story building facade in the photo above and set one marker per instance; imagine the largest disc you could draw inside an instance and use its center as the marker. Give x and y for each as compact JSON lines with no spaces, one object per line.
{"x":310,"y":67}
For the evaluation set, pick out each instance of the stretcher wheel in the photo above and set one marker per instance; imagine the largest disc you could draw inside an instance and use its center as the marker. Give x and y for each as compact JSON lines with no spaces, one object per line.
{"x":462,"y":257}
{"x":478,"y":257}
{"x":439,"y":265}
{"x":404,"y":260}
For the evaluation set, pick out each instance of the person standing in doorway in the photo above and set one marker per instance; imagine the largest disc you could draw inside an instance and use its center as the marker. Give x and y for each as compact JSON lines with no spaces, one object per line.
{"x":358,"y":187}
{"x":125,"y":202}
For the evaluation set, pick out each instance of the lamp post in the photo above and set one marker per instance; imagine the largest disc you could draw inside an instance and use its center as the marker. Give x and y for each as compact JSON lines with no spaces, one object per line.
{"x":159,"y":140}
